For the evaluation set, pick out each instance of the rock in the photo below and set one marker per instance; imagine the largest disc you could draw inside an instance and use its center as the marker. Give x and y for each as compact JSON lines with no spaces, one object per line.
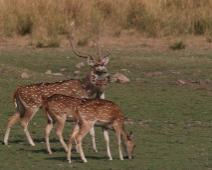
{"x":62,"y":69}
{"x":156,"y":73}
{"x":124,"y":70}
{"x":80,"y":65}
{"x":121,"y":78}
{"x":201,"y":82}
{"x":180,"y":82}
{"x":24,"y":75}
{"x":57,"y":74}
{"x":113,"y":79}
{"x":207,"y":81}
{"x":48,"y":72}
{"x":76,"y":73}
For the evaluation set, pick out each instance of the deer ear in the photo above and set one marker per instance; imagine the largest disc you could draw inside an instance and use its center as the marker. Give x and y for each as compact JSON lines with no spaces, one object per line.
{"x":105,"y":60}
{"x":90,"y":61}
{"x":130,"y":136}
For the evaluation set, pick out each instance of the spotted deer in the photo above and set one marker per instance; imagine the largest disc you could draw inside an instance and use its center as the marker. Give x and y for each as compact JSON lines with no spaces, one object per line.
{"x":59,"y":109}
{"x":103,"y":113}
{"x":101,"y":85}
{"x":28,"y":98}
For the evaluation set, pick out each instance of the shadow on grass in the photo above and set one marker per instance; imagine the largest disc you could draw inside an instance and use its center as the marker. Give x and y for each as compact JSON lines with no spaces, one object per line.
{"x":77,"y":158}
{"x":13,"y":141}
{"x":54,"y":140}
{"x":35,"y":141}
{"x":45,"y":150}
{"x":63,"y":158}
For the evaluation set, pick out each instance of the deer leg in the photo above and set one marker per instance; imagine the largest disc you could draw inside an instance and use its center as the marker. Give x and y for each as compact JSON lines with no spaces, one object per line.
{"x":25,"y":121}
{"x":77,"y":149}
{"x":59,"y":130}
{"x":92,"y":133}
{"x":47,"y":131}
{"x":107,"y":140}
{"x":83,"y":131}
{"x":118,"y":139}
{"x":71,"y":139}
{"x":12,"y":120}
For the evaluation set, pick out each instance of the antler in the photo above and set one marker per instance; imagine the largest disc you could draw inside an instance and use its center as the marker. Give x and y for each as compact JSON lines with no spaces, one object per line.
{"x":97,"y":42}
{"x":97,"y":33}
{"x":73,"y":47}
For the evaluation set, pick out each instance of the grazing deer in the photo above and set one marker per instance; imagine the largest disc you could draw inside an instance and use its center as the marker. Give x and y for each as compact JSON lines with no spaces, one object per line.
{"x":59,"y":109}
{"x":105,"y":114}
{"x":28,"y":98}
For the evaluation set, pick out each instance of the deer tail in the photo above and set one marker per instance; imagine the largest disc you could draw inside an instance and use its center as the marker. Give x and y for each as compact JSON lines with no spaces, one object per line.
{"x":45,"y":111}
{"x":14,"y":98}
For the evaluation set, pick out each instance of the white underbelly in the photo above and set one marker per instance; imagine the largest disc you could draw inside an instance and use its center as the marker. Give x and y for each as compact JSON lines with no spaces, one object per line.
{"x":103,"y":123}
{"x":70,"y":119}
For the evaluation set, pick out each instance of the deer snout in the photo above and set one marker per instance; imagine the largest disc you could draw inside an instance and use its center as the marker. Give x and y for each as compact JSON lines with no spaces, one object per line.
{"x":101,"y":70}
{"x":130,"y":157}
{"x":101,"y":91}
{"x":105,"y":70}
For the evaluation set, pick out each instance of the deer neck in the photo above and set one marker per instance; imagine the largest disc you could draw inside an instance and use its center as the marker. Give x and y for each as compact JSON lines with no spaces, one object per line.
{"x":123,"y":135}
{"x":89,"y":87}
{"x":100,"y":95}
{"x":124,"y":140}
{"x":100,"y":76}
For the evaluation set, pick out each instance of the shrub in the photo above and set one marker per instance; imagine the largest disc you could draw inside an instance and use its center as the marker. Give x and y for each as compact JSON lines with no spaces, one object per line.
{"x":177,"y":45}
{"x":209,"y":39}
{"x":24,"y":25}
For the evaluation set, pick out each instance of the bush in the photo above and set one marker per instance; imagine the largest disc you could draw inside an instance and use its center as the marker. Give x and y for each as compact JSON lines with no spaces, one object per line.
{"x":177,"y":45}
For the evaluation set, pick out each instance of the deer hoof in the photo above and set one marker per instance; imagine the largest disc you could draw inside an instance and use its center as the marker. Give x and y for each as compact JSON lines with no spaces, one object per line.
{"x":85,"y":160}
{"x":4,"y":143}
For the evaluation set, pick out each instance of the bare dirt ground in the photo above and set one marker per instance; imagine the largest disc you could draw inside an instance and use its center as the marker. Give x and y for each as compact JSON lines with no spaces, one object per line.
{"x":127,"y":41}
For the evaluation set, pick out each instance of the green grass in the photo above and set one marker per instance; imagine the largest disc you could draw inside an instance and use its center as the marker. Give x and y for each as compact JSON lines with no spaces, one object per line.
{"x":171,"y":122}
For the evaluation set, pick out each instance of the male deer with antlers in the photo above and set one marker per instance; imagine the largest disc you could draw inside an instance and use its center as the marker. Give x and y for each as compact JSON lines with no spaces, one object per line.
{"x":59,"y":109}
{"x":28,"y":99}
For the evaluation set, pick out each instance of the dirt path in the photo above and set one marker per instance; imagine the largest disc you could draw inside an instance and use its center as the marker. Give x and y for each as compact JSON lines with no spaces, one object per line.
{"x":124,"y":42}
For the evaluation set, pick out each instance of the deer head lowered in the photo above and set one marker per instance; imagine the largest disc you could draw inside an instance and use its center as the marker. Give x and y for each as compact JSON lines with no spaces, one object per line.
{"x":86,"y":113}
{"x":59,"y":109}
{"x":28,"y":98}
{"x":103,"y":113}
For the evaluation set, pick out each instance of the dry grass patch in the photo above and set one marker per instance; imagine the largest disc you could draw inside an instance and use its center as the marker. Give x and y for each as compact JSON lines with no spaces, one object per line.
{"x":49,"y":19}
